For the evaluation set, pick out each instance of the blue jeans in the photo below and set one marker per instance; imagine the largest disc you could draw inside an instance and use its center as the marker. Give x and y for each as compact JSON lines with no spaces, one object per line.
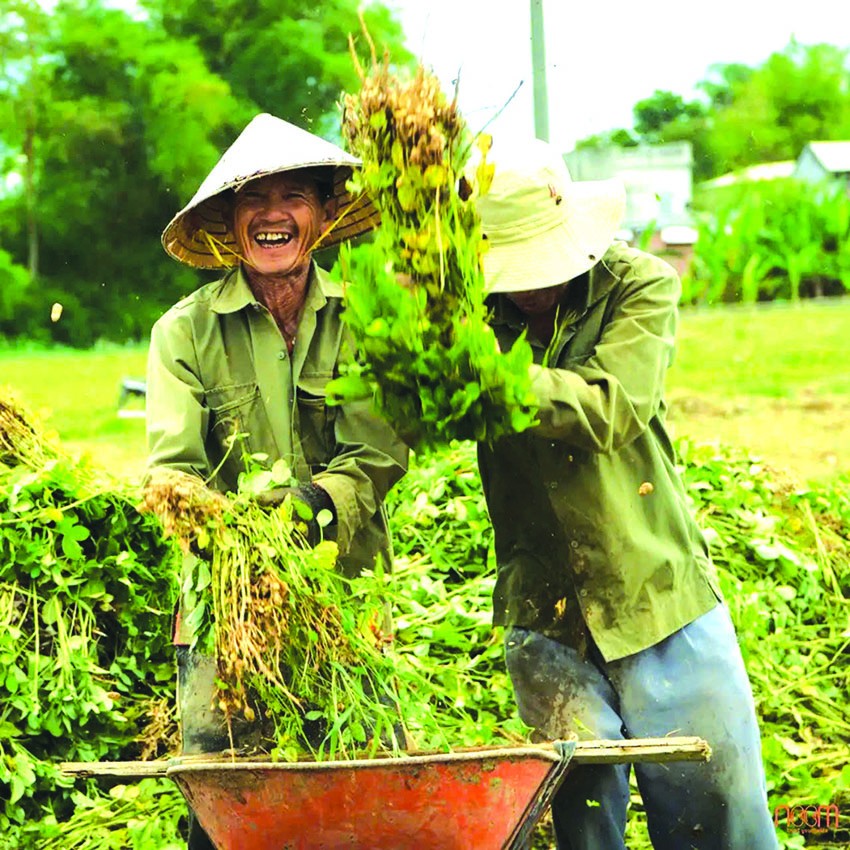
{"x":691,"y":683}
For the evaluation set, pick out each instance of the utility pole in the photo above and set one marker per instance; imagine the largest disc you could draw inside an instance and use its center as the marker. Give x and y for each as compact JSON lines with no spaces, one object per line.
{"x":538,"y":72}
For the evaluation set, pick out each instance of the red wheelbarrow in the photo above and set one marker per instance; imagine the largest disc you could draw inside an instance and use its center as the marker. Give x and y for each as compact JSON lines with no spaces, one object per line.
{"x":478,"y":800}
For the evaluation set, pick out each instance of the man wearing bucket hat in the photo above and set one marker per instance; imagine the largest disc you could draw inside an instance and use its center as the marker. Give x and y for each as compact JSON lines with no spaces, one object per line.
{"x":614,"y":625}
{"x":250,"y":354}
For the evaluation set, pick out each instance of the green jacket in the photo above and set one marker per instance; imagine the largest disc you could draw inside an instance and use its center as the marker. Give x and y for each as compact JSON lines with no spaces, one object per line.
{"x":592,"y":526}
{"x":218,"y":365}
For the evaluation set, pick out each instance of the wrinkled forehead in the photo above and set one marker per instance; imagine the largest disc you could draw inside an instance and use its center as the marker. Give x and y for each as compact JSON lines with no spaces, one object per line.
{"x":298,"y":179}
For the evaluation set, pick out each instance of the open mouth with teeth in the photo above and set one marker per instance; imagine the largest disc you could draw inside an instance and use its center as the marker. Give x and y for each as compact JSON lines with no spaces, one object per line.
{"x":269,"y":239}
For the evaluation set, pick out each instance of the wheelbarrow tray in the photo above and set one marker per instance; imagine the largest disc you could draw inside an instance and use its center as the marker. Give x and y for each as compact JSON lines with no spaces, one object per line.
{"x":482,"y":799}
{"x":477,"y":800}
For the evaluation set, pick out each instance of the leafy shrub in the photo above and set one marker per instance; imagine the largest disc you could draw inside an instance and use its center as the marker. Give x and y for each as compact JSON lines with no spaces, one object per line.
{"x":782,"y":239}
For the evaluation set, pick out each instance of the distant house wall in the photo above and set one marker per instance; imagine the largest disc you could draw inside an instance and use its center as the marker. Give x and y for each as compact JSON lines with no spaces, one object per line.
{"x":809,"y":167}
{"x":659,"y":184}
{"x":658,"y":180}
{"x":821,"y":161}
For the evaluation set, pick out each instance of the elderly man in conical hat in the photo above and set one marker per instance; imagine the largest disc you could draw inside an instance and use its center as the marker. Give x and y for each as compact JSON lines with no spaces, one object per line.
{"x":615,"y":627}
{"x":251,"y":353}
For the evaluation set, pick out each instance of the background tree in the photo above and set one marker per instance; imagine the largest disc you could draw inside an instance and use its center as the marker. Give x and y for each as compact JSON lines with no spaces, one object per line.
{"x":284,"y":56}
{"x":663,"y":117}
{"x":620,"y":138}
{"x":128,"y":116}
{"x":24,"y":71}
{"x":654,"y":114}
{"x":722,"y":82}
{"x":799,"y":95}
{"x":106,"y":163}
{"x":667,"y":117}
{"x":750,"y":115}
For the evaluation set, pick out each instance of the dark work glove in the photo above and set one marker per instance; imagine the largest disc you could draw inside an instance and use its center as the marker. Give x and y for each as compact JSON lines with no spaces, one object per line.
{"x":312,"y":495}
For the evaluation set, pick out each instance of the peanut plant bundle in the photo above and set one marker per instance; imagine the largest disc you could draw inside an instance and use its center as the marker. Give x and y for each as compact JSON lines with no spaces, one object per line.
{"x":294,"y":658}
{"x":21,"y":440}
{"x":415,"y":298}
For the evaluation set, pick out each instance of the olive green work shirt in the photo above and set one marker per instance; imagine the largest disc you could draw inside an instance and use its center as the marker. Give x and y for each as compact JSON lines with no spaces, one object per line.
{"x":218,"y":365}
{"x":593,"y":532}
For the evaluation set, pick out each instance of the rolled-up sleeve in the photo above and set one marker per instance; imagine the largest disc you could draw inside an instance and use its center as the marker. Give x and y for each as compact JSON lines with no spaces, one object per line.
{"x":606,"y":401}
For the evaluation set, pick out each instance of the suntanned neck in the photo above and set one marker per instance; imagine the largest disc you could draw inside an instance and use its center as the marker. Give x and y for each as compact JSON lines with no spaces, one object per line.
{"x":542,"y":325}
{"x":283,"y":296}
{"x":540,"y":308}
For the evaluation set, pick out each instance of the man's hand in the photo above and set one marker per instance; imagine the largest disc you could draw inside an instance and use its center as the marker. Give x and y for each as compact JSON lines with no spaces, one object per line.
{"x":275,"y":497}
{"x":310,"y":499}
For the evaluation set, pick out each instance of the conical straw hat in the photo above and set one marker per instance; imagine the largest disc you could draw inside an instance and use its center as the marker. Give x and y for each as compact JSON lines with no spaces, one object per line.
{"x":200,"y":235}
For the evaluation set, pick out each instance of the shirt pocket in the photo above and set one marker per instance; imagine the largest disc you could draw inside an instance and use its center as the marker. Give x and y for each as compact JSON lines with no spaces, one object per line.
{"x":316,"y":420}
{"x":234,"y":409}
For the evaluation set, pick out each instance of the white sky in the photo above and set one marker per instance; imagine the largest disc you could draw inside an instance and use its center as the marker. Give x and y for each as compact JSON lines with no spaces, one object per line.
{"x":602,"y":56}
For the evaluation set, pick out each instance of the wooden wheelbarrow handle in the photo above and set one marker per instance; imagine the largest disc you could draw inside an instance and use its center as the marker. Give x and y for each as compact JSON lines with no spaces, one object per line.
{"x":586,"y":752}
{"x":636,"y":750}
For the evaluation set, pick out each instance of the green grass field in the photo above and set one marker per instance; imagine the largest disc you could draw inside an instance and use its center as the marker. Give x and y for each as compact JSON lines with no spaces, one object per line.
{"x":775,"y":380}
{"x":76,"y":394}
{"x":772,"y":379}
{"x":765,"y":351}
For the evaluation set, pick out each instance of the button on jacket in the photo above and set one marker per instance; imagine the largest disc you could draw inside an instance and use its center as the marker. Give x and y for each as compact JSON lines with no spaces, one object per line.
{"x":218,"y":366}
{"x":593,"y":531}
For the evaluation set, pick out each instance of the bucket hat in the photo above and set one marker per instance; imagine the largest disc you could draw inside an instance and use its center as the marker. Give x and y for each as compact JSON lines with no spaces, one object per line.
{"x":200,"y":234}
{"x":543,"y":228}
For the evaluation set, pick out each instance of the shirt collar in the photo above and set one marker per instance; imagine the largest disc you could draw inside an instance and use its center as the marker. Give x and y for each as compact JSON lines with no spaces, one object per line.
{"x":234,"y":293}
{"x":602,"y":278}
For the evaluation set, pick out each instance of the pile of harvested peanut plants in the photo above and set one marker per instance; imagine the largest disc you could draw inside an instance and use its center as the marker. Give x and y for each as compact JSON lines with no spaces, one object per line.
{"x":415,"y":298}
{"x":85,"y":600}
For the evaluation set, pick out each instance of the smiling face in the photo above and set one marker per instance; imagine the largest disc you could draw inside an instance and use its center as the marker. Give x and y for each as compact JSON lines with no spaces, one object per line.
{"x":276,"y":221}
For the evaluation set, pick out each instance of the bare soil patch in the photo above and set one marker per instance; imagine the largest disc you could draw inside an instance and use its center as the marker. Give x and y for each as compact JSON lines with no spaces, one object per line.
{"x":807,"y":435}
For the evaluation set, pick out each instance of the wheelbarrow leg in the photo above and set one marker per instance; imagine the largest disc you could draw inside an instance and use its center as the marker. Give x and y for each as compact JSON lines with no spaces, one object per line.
{"x":197,"y":838}
{"x":522,"y":833}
